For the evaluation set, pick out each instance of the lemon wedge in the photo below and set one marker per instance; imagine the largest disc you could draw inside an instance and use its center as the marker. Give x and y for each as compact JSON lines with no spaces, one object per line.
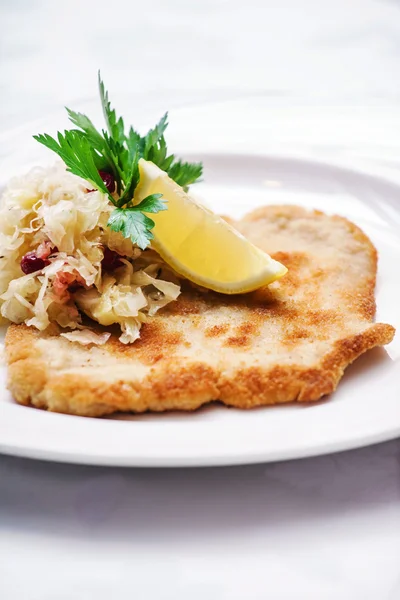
{"x":199,"y":244}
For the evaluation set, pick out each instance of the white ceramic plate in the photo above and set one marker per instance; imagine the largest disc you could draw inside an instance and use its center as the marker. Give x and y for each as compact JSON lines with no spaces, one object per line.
{"x":255,"y":154}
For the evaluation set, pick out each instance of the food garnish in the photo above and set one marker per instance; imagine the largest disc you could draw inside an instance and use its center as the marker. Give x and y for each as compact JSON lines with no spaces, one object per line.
{"x":199,"y":244}
{"x":109,"y":160}
{"x":110,"y":233}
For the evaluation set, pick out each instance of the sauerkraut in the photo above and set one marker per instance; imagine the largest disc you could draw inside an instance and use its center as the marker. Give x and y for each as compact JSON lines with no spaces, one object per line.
{"x":53,"y":215}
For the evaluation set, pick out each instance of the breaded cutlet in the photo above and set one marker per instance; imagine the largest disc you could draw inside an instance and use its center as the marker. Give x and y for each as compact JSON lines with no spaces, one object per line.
{"x":290,"y":342}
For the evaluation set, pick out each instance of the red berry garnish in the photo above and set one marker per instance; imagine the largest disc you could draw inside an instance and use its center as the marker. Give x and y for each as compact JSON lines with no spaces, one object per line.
{"x":111,"y":260}
{"x":31,"y":263}
{"x":108,"y":180}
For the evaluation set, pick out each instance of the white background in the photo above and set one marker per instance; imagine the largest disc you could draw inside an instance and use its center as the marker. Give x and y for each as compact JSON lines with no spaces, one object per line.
{"x":327,"y":527}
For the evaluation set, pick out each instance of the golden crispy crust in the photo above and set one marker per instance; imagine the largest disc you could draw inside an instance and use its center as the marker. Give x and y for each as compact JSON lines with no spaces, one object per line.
{"x":290,"y":342}
{"x":184,"y":387}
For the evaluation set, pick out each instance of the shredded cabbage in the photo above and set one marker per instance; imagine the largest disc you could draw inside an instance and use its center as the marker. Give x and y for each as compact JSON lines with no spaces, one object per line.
{"x":55,"y":214}
{"x":86,"y":337}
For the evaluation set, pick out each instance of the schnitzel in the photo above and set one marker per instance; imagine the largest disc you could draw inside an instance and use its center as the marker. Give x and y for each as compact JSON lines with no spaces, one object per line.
{"x":289,"y":342}
{"x":111,"y":234}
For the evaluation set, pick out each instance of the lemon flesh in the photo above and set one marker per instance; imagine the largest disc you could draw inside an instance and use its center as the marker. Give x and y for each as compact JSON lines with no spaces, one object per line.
{"x":199,"y":244}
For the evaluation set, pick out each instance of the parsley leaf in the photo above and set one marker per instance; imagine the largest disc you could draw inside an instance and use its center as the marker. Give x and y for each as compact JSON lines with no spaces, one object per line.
{"x":151,"y":204}
{"x":115,"y":126}
{"x":133,"y":223}
{"x":184,"y":173}
{"x":153,"y":137}
{"x":76,"y":151}
{"x":131,"y":182}
{"x":86,"y":151}
{"x":83,"y":122}
{"x":101,"y":154}
{"x":155,"y":149}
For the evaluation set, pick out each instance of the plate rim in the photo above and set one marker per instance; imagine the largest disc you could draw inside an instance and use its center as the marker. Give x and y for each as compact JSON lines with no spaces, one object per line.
{"x":290,"y":453}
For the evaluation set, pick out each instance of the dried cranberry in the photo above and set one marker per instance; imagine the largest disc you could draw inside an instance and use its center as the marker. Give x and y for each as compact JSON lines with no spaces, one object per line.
{"x":31,"y":263}
{"x":108,"y":180}
{"x":111,"y":260}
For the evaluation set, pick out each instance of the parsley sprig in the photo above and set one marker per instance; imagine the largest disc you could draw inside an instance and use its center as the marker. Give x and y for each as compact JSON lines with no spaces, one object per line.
{"x":86,"y":151}
{"x":133,"y":223}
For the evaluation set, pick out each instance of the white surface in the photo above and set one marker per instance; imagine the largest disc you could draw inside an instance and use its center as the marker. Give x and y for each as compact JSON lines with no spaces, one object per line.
{"x":319,"y":528}
{"x":325,"y":528}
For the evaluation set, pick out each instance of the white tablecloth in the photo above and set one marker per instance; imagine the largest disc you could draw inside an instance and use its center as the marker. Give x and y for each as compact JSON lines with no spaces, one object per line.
{"x":326,"y":527}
